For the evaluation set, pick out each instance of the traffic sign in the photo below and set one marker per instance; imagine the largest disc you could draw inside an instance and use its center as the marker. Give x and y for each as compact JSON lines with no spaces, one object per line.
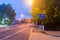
{"x":42,"y":16}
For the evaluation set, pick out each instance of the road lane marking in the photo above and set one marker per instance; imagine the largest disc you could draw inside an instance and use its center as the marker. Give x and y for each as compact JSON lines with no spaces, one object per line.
{"x":31,"y":29}
{"x":13,"y":34}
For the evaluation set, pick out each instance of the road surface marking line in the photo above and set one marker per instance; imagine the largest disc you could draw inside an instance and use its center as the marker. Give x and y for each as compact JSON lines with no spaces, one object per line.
{"x":13,"y":34}
{"x":31,"y":30}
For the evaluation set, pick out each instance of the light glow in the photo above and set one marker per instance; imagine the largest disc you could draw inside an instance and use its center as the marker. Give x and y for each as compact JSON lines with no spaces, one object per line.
{"x":22,"y":15}
{"x":28,"y":2}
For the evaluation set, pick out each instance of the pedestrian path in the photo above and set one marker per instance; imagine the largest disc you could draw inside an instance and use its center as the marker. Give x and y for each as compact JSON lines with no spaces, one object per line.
{"x":41,"y":36}
{"x":53,"y":33}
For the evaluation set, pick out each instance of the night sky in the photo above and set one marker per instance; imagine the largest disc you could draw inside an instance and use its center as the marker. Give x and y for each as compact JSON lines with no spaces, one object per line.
{"x":20,"y":8}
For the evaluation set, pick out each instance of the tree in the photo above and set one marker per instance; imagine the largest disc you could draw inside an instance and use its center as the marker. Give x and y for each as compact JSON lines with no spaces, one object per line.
{"x":6,"y":11}
{"x":38,"y":8}
{"x":50,"y":8}
{"x":53,"y":10}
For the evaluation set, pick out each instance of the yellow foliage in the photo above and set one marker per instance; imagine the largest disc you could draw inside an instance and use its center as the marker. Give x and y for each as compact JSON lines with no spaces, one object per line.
{"x":38,"y":7}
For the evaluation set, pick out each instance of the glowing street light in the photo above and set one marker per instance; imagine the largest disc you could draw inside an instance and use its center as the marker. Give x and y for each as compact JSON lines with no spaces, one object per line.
{"x":22,"y":15}
{"x":19,"y":19}
{"x":28,"y":2}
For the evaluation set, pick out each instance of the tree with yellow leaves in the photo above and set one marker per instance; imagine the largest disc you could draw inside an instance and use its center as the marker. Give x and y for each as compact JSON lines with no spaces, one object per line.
{"x":38,"y":7}
{"x":47,"y":7}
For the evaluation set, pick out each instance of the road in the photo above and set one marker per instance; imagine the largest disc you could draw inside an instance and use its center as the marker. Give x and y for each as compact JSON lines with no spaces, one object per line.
{"x":21,"y":32}
{"x":27,"y":32}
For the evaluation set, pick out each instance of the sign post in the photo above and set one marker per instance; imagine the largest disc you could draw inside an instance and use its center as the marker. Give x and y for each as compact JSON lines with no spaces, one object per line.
{"x":42,"y":16}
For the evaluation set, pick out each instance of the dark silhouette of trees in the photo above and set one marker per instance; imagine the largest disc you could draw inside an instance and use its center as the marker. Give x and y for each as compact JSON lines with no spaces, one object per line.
{"x":7,"y":12}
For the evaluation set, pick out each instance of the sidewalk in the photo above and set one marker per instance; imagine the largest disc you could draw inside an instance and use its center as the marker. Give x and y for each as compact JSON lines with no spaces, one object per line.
{"x":42,"y":36}
{"x":53,"y":33}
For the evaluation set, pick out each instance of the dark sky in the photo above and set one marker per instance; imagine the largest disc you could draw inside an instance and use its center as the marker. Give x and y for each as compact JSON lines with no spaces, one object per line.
{"x":19,"y":6}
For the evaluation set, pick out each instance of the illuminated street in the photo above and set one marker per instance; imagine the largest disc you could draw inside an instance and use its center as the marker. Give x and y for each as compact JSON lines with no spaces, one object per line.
{"x":26,"y":32}
{"x":29,"y":19}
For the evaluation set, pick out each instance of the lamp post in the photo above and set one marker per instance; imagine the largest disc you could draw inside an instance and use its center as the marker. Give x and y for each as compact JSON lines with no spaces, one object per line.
{"x":36,"y":14}
{"x":30,"y":4}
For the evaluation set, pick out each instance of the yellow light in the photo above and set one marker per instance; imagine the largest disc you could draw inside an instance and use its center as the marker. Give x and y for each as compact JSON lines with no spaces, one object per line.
{"x":29,"y":2}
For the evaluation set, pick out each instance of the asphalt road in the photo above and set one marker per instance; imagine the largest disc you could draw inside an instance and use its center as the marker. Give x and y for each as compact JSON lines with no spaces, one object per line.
{"x":21,"y":32}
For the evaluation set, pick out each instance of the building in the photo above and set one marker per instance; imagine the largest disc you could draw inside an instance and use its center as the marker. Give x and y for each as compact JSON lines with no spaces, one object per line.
{"x":28,"y":20}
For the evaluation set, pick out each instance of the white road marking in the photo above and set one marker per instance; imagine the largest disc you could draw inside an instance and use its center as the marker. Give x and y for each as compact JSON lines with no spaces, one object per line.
{"x":13,"y":34}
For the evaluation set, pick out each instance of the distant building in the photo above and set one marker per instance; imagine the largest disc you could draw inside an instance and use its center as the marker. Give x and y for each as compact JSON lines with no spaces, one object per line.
{"x":28,"y":20}
{"x":16,"y":22}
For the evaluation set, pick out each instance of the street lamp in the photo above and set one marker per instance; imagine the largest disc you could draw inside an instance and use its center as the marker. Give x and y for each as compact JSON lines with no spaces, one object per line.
{"x":22,"y":15}
{"x":28,"y":3}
